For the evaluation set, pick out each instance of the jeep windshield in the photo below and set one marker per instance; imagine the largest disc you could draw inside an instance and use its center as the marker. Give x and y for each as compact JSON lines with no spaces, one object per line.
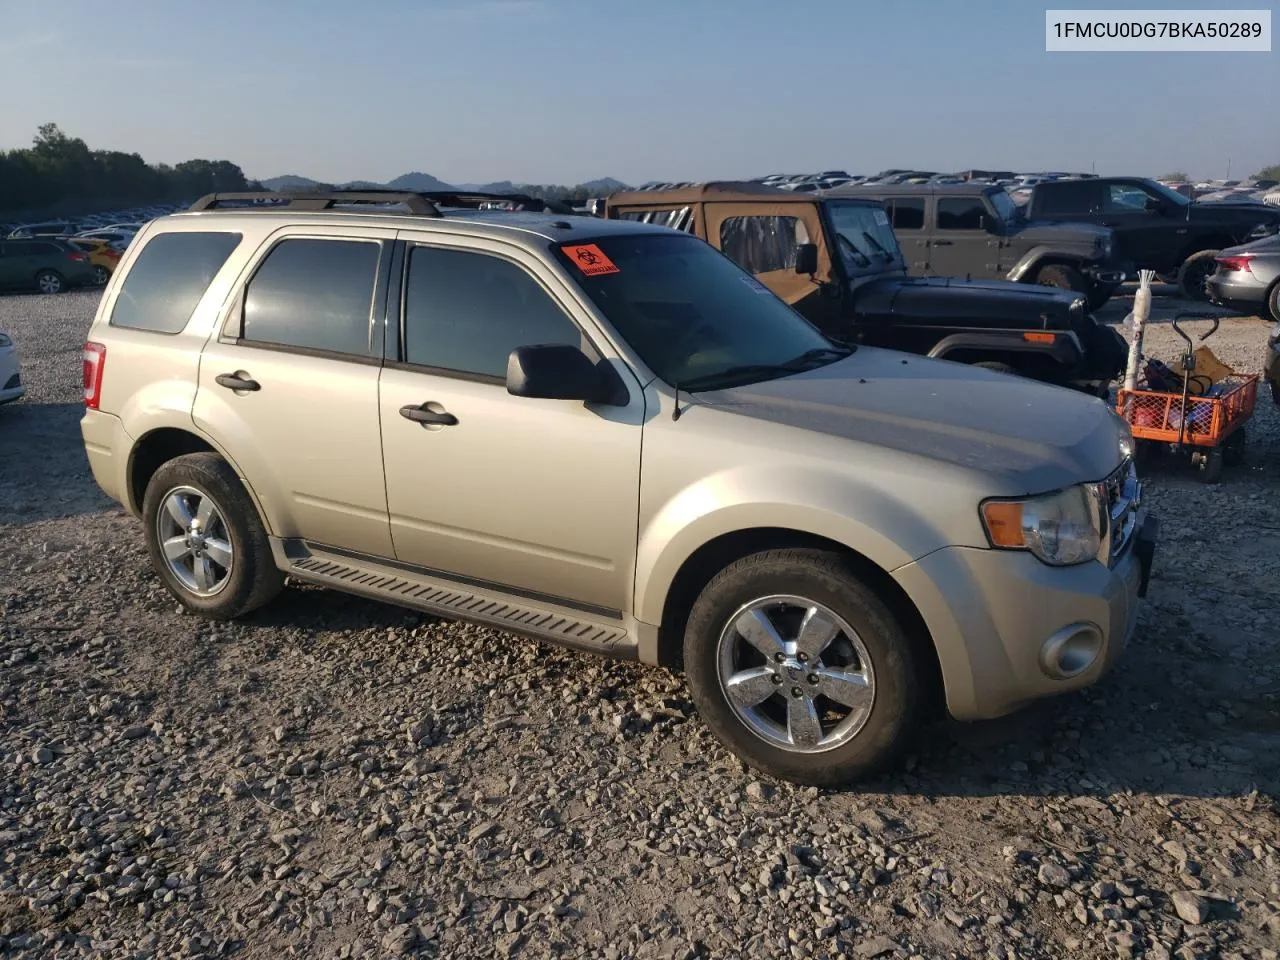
{"x":690,"y":313}
{"x":1005,"y":208}
{"x":863,"y":235}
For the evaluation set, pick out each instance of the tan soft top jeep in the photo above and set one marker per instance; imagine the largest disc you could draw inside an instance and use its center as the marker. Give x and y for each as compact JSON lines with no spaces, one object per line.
{"x":607,"y":435}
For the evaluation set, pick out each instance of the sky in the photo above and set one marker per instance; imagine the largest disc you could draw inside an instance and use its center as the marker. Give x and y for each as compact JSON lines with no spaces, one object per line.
{"x":557,"y":91}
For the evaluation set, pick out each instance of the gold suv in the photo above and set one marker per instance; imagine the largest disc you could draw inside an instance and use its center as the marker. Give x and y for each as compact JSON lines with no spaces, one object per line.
{"x":607,"y":435}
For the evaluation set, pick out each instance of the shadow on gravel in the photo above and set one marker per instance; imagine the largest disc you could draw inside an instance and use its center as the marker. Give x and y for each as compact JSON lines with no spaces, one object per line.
{"x":43,"y":469}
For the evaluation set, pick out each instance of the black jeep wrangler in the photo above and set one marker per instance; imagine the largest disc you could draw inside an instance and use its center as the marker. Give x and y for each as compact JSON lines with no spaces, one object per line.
{"x":976,"y":230}
{"x":1157,"y":228}
{"x":836,"y":260}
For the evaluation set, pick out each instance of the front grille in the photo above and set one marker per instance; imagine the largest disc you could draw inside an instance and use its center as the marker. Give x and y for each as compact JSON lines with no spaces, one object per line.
{"x":1123,"y":496}
{"x":13,"y":383}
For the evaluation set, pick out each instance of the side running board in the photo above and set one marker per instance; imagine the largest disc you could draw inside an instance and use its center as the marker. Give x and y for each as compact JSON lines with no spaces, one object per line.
{"x":593,"y":632}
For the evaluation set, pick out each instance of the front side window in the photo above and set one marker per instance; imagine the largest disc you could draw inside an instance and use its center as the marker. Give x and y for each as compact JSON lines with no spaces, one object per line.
{"x":168,"y":278}
{"x":762,"y":244}
{"x":313,"y":294}
{"x":960,"y":213}
{"x":908,"y":213}
{"x":1127,"y":198}
{"x":691,"y":314}
{"x":465,"y":312}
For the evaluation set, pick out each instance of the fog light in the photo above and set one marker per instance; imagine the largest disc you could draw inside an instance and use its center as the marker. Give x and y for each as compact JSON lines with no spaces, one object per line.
{"x":1071,"y":651}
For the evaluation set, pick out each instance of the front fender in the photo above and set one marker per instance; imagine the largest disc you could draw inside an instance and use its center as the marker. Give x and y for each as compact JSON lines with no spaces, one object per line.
{"x":1032,"y":260}
{"x":885,"y":530}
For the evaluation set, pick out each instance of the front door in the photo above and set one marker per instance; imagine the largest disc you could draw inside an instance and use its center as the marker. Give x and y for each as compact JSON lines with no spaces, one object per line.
{"x":530,"y":495}
{"x":1145,"y":231}
{"x":290,"y":386}
{"x":907,"y":214}
{"x":961,"y":245}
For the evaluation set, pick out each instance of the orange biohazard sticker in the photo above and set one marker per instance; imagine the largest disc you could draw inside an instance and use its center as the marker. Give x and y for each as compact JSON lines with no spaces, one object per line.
{"x":590,"y":259}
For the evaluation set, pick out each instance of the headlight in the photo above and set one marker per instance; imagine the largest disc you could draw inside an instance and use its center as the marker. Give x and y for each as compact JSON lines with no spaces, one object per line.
{"x":5,"y":340}
{"x":1061,"y":529}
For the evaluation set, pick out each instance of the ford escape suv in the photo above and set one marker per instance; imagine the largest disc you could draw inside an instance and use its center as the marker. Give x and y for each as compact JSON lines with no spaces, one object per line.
{"x":607,"y":435}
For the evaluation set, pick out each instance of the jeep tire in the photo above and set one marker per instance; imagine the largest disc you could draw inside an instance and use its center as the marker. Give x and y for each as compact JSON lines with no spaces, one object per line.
{"x":799,"y":668}
{"x":1062,"y":276}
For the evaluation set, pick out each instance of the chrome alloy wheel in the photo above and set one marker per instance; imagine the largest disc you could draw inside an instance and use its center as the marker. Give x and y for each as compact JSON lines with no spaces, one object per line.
{"x":796,"y":674}
{"x":194,"y":540}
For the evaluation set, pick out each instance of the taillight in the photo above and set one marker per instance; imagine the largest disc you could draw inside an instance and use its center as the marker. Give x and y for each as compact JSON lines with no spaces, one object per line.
{"x":95,"y":358}
{"x":78,"y":257}
{"x":1240,"y":262}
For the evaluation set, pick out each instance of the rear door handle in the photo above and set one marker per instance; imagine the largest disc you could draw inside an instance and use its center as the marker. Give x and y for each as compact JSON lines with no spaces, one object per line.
{"x":423,"y":415}
{"x":942,"y":243}
{"x":237,"y":381}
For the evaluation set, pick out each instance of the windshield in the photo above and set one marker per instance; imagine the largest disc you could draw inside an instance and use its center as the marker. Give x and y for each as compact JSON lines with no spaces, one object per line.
{"x":1006,"y":209}
{"x":863,"y":235}
{"x":1171,"y":195}
{"x":692,"y":315}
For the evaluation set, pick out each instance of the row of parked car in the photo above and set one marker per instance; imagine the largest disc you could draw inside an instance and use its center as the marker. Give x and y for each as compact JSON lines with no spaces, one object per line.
{"x":56,"y":255}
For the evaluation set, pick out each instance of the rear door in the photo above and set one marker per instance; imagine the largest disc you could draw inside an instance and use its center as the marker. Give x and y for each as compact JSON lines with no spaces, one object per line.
{"x":289,"y":385}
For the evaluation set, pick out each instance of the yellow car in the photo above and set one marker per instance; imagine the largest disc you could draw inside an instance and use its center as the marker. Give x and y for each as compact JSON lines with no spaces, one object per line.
{"x":102,"y":256}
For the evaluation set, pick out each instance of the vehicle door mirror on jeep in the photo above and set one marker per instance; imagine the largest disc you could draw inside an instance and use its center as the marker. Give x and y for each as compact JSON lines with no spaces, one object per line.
{"x":807,"y":258}
{"x":557,"y":371}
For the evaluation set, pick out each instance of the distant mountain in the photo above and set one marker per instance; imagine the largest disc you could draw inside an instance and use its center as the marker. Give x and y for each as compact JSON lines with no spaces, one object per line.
{"x":425,"y":182}
{"x":289,"y":181}
{"x":420,"y":182}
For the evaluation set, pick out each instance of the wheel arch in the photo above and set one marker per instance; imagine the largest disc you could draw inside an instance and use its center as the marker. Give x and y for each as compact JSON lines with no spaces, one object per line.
{"x":710,"y":558}
{"x":1212,"y":242}
{"x":161,"y":444}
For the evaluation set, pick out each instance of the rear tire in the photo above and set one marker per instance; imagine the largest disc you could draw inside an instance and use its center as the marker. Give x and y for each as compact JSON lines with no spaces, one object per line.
{"x":1211,"y":465}
{"x":101,"y":275}
{"x":1233,"y":448}
{"x":1195,"y":270}
{"x":995,"y":365}
{"x":787,"y":725}
{"x":50,"y":282}
{"x":1063,"y":277}
{"x":1273,"y":302}
{"x":237,"y":573}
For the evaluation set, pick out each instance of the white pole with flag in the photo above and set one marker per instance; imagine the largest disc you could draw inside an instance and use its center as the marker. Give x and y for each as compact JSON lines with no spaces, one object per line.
{"x":1141,"y":311}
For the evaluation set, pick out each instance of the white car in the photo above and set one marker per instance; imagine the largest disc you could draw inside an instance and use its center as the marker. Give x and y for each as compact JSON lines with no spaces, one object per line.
{"x":11,"y":386}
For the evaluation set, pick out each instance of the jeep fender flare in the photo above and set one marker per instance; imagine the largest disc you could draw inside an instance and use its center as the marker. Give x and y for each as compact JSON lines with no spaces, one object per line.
{"x":1064,"y":349}
{"x":1037,"y":257}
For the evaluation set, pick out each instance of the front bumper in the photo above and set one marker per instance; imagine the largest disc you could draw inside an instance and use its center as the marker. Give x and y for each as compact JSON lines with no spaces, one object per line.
{"x":1109,"y":273}
{"x":997,"y":619}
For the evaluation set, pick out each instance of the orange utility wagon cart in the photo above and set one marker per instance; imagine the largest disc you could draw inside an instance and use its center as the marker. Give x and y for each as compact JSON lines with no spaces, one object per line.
{"x":1205,"y":412}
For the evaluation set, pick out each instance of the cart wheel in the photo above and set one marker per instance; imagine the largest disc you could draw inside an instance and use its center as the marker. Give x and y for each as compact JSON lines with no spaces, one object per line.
{"x":1211,"y":465}
{"x":1233,"y":449}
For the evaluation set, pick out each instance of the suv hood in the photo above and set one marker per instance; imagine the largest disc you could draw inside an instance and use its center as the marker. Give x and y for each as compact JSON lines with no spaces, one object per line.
{"x":990,"y":301}
{"x":1059,"y":233}
{"x":1034,"y":437}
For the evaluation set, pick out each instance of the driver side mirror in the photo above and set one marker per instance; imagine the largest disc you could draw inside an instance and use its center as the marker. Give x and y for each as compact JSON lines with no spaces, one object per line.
{"x":1153,"y":205}
{"x":557,"y":371}
{"x":807,"y":258}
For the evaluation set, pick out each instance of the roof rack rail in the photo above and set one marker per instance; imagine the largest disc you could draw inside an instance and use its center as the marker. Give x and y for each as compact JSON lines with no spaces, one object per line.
{"x":474,"y":198}
{"x":418,"y":203}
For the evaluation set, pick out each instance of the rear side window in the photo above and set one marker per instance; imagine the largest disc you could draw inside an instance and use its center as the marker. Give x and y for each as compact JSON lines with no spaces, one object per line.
{"x":168,"y":278}
{"x":762,"y":244}
{"x":678,"y":218}
{"x":314,"y":294}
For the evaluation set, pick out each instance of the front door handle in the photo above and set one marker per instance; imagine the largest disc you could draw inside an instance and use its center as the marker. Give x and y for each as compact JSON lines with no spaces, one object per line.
{"x":424,"y":415}
{"x":237,"y":381}
{"x":942,"y":243}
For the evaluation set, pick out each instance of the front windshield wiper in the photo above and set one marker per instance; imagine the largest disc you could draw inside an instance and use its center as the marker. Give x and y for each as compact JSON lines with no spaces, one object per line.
{"x":860,"y":258}
{"x":880,"y":249}
{"x":817,"y":357}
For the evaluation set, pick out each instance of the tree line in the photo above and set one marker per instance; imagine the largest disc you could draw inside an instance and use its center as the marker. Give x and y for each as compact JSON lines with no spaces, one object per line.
{"x":57,"y":169}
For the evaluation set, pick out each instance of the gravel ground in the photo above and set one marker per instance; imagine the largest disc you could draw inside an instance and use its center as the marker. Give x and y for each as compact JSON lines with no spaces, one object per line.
{"x":338,"y":778}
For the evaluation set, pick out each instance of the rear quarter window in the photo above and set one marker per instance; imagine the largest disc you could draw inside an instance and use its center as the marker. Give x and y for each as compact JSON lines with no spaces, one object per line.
{"x":168,"y":278}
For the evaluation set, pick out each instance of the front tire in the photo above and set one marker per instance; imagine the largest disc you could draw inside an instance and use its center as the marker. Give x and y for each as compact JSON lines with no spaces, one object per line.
{"x":1195,"y":270}
{"x":799,"y":668}
{"x":1273,"y":302}
{"x":1063,"y":277}
{"x":206,"y":540}
{"x":101,"y":275}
